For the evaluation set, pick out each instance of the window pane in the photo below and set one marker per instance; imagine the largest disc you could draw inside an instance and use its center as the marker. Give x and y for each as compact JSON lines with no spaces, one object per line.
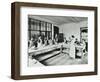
{"x":38,"y":27}
{"x":41,"y":25}
{"x":47,"y":27}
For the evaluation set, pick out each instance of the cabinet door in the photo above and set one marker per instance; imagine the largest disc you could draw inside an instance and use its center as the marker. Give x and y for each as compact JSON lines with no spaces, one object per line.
{"x":56,"y":31}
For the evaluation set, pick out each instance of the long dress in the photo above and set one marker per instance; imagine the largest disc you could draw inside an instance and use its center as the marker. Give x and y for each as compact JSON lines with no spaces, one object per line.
{"x":40,"y":43}
{"x":72,"y":49}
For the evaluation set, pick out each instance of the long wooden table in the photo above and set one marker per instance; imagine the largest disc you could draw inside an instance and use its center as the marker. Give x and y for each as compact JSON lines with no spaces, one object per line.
{"x":44,"y":49}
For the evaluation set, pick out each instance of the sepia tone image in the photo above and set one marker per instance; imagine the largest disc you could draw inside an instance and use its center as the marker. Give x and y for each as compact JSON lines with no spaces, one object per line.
{"x":57,"y":40}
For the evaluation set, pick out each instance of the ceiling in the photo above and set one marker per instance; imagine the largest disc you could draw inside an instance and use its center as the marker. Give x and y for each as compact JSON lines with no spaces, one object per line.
{"x":63,"y":19}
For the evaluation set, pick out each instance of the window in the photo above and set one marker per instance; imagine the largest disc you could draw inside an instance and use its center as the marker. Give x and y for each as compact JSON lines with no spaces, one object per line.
{"x":39,"y":28}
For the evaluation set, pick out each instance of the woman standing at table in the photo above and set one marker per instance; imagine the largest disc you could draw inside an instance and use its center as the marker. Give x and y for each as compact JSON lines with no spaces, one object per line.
{"x":39,"y":42}
{"x":31,"y":43}
{"x":72,"y":47}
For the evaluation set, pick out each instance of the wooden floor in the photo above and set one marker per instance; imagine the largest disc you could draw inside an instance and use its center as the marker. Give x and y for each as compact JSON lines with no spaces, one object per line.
{"x":59,"y":59}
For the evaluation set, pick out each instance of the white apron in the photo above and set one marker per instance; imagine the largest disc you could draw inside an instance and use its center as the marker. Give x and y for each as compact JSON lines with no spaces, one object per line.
{"x":72,"y":49}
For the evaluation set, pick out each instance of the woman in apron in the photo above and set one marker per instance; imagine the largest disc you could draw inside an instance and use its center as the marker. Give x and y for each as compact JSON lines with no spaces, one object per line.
{"x":72,"y":47}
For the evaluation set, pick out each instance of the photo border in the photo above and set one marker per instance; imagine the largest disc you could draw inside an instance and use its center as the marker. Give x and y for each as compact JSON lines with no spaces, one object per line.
{"x":15,"y":40}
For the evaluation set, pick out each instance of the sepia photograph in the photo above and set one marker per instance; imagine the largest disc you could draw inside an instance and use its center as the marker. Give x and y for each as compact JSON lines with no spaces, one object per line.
{"x":57,"y":40}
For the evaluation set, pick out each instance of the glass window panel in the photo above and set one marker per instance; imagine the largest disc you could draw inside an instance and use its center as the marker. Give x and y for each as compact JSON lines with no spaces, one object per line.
{"x":44,"y":26}
{"x":34,"y":25}
{"x":47,"y":27}
{"x":38,"y":27}
{"x":50,"y":34}
{"x":41,"y":25}
{"x":31,"y":26}
{"x":50,"y":27}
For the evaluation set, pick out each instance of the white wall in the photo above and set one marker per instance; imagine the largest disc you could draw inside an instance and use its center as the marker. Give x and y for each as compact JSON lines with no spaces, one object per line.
{"x":72,"y":29}
{"x":5,"y":41}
